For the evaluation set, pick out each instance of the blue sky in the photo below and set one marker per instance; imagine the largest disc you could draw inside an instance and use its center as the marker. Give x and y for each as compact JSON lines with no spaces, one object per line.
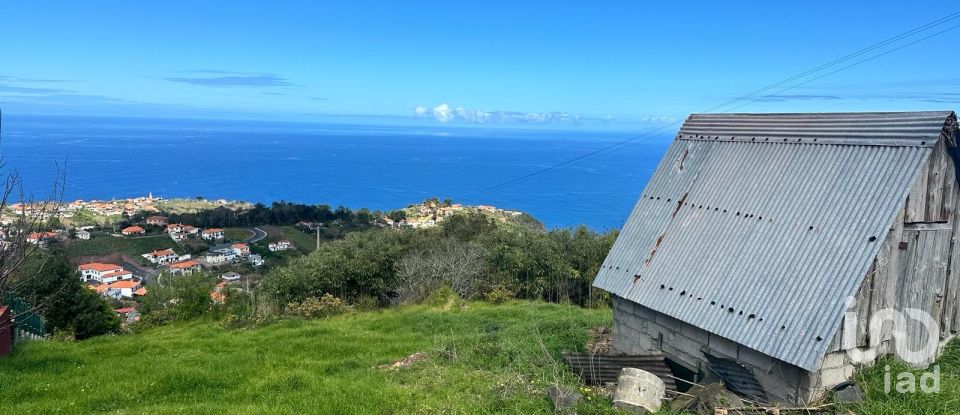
{"x":631,"y":62}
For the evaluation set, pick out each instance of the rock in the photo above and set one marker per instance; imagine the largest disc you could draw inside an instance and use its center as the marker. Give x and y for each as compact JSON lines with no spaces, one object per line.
{"x":849,"y":394}
{"x":704,"y":400}
{"x":564,"y":399}
{"x":638,"y":391}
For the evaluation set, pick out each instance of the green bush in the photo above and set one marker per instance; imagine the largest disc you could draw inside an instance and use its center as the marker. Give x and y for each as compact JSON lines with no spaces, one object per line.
{"x":499,"y":295}
{"x":313,"y":307}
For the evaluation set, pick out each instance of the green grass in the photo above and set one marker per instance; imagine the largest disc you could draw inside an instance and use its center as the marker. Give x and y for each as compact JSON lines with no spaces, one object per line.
{"x":482,"y":359}
{"x":304,"y":242}
{"x":103,"y":244}
{"x":237,"y":234}
{"x":881,"y":402}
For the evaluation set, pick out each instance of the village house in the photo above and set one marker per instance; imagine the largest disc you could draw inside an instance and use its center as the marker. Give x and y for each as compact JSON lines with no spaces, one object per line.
{"x":280,"y":245}
{"x":230,"y":276}
{"x":212,"y":234}
{"x":181,"y":228}
{"x":133,"y":230}
{"x":103,"y":273}
{"x":241,"y":249}
{"x":763,"y":245}
{"x":255,"y":260}
{"x":219,"y":255}
{"x":119,"y":289}
{"x":83,"y":234}
{"x":185,"y":267}
{"x":217,"y":295}
{"x":41,"y":238}
{"x":157,"y":221}
{"x":161,"y":257}
{"x":128,"y":314}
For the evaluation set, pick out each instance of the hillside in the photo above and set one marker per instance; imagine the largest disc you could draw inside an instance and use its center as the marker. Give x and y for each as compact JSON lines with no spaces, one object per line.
{"x":481,"y":359}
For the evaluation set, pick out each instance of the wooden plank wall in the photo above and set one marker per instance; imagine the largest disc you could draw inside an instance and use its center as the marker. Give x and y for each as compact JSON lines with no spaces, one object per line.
{"x":918,"y":265}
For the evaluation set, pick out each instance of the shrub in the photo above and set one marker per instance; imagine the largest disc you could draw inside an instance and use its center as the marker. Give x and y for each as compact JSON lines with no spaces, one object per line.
{"x":246,"y":321}
{"x":444,"y":298}
{"x":313,"y":307}
{"x":498,"y":295}
{"x":365,"y":303}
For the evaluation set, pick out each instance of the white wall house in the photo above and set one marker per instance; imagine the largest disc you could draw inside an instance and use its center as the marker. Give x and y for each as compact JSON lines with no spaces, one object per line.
{"x":280,"y":245}
{"x":212,"y":234}
{"x":162,"y":257}
{"x":97,"y":271}
{"x":185,"y":267}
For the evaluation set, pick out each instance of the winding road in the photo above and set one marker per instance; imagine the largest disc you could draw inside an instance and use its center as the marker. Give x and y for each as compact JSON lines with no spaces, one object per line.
{"x":258,"y":234}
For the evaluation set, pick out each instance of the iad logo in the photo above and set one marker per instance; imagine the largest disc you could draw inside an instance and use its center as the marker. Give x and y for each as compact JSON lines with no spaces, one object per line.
{"x":906,"y":328}
{"x":907,"y":382}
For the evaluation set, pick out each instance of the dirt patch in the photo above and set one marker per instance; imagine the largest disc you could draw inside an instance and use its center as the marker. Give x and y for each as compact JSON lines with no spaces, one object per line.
{"x":601,"y":340}
{"x":405,"y":362}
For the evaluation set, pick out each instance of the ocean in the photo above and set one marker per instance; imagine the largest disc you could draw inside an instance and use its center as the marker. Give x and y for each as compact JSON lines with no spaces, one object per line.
{"x":373,"y":166}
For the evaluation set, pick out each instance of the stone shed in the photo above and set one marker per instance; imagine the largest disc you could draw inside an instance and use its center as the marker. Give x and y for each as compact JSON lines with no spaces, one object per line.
{"x":771,"y":239}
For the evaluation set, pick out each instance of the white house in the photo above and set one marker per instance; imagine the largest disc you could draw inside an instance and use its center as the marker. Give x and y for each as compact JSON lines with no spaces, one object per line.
{"x":104,"y":273}
{"x":120,"y":289}
{"x":185,"y":267}
{"x":255,"y":260}
{"x":280,"y":245}
{"x":212,"y":234}
{"x":83,"y":234}
{"x":162,"y":257}
{"x":241,"y":249}
{"x":220,"y":256}
{"x":230,"y":276}
{"x":133,"y":230}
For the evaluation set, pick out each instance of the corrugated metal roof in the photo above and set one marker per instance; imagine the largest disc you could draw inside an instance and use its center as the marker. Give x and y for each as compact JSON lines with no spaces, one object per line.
{"x":759,"y":241}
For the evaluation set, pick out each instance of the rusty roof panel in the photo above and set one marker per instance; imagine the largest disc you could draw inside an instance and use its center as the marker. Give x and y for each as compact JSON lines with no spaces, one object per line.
{"x":762,"y":241}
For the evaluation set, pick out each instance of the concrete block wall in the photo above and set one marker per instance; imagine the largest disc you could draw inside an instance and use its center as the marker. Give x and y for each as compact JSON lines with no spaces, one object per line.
{"x":638,"y":329}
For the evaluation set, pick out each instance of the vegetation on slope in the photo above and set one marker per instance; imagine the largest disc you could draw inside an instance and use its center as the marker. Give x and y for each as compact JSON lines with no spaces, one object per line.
{"x":104,"y":244}
{"x":480,"y":359}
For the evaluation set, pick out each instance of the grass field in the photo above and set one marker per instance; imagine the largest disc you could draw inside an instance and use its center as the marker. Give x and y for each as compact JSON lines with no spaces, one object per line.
{"x":481,"y":359}
{"x":304,"y":242}
{"x":237,"y":234}
{"x":103,"y":244}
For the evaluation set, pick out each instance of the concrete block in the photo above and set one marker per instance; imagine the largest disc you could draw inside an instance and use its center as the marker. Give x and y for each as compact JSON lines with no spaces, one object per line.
{"x":835,"y":376}
{"x":638,"y":391}
{"x":694,"y":333}
{"x":755,"y":359}
{"x":722,"y":347}
{"x":835,"y":359}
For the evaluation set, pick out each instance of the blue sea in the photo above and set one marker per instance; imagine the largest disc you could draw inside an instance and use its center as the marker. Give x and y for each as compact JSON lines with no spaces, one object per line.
{"x":374,"y":166}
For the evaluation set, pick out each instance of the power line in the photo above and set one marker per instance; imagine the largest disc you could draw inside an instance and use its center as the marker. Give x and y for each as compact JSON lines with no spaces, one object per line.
{"x":749,"y":95}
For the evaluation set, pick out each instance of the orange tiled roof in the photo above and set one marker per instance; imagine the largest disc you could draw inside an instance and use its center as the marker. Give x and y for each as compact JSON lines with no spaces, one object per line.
{"x":125,"y":284}
{"x":132,"y":229}
{"x":99,"y":267}
{"x":116,"y":274}
{"x":185,"y":264}
{"x":162,"y":252}
{"x":212,"y":230}
{"x":140,"y":291}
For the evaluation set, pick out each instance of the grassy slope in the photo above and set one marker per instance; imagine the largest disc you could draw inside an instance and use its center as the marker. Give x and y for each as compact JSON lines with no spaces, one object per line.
{"x":482,"y":359}
{"x":103,"y":244}
{"x":947,"y":401}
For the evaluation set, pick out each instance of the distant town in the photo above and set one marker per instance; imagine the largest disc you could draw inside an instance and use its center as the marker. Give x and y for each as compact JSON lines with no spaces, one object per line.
{"x":122,"y":247}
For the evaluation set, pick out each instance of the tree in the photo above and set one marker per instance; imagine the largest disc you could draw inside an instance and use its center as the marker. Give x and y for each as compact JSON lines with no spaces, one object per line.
{"x":451,"y":263}
{"x":180,"y":298}
{"x":53,"y":286}
{"x":397,"y":215}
